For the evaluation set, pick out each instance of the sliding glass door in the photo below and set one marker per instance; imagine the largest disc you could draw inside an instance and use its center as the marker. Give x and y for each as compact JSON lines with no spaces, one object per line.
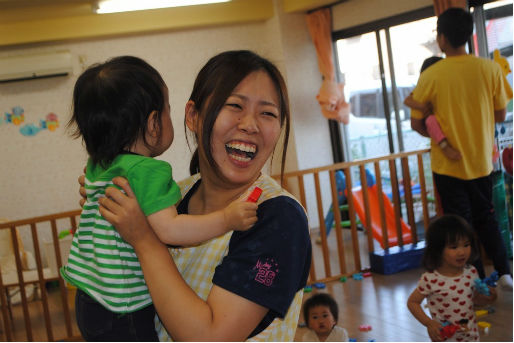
{"x":379,"y":70}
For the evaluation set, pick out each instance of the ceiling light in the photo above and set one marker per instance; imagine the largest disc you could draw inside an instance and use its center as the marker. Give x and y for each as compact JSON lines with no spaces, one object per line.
{"x":111,"y":6}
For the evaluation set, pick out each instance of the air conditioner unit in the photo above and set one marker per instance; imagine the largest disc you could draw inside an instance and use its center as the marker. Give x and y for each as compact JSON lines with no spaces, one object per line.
{"x":35,"y":66}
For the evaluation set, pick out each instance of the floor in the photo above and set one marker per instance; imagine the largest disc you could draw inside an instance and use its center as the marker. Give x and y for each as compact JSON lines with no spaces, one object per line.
{"x":380,"y":301}
{"x":37,"y":319}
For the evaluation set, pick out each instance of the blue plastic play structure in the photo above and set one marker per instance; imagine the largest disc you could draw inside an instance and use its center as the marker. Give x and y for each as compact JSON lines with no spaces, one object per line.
{"x":341,"y":198}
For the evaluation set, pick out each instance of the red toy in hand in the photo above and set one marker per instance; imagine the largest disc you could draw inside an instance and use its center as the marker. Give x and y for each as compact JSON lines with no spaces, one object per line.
{"x":254,"y":196}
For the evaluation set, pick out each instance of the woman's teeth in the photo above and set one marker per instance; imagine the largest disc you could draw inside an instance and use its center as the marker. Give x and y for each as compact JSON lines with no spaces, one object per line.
{"x":241,"y":152}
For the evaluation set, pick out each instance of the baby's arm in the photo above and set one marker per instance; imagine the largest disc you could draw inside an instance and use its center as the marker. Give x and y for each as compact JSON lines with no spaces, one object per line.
{"x":413,"y":104}
{"x":436,"y":133}
{"x":187,"y":230}
{"x":433,"y":326}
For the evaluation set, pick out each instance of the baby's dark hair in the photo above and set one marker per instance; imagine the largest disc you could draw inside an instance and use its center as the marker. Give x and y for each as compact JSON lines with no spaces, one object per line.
{"x":445,"y":230}
{"x":320,"y":299}
{"x":111,"y":105}
{"x":428,"y":62}
{"x":456,"y":24}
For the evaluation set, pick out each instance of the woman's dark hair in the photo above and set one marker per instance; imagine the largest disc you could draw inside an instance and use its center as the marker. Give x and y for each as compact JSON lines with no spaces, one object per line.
{"x":215,"y":83}
{"x":456,"y":24}
{"x":443,"y":231}
{"x":111,"y":105}
{"x":320,"y":299}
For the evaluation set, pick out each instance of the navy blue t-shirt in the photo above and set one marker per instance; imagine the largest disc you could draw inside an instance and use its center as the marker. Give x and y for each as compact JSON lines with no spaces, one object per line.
{"x":270,"y":262}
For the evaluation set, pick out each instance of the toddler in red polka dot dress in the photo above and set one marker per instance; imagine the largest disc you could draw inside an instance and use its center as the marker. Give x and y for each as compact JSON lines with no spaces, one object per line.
{"x":448,"y":285}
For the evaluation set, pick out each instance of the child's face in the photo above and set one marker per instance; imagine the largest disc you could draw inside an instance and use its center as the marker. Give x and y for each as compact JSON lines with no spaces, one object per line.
{"x":321,"y":320}
{"x":456,"y":255}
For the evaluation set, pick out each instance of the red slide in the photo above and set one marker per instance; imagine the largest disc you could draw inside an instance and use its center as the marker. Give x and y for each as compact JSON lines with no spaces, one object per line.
{"x":375,"y":216}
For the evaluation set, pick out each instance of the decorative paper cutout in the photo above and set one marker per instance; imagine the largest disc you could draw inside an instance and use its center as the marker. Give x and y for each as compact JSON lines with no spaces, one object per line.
{"x":29,"y":130}
{"x":17,"y":116}
{"x":332,"y":101}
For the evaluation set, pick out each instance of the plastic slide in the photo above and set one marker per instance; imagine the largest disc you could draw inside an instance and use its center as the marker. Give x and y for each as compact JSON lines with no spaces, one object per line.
{"x":374,"y":208}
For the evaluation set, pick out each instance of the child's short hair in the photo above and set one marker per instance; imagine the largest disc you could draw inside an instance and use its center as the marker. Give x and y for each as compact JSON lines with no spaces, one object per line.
{"x":456,"y":24}
{"x":320,"y":299}
{"x":111,"y":105}
{"x":447,"y":229}
{"x":428,"y":62}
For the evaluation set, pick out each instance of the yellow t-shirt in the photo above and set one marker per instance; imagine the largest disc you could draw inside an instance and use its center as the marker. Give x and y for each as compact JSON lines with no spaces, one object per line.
{"x":464,"y":92}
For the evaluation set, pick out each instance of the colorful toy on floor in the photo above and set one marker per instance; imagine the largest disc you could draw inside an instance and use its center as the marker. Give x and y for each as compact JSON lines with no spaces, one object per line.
{"x":481,"y":313}
{"x":364,"y":327}
{"x":307,"y":289}
{"x":485,"y":326}
{"x":319,"y":285}
{"x":343,"y":279}
{"x":357,"y":276}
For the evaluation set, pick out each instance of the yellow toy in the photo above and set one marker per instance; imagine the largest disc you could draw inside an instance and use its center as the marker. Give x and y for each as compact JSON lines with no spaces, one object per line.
{"x":480,"y":313}
{"x":485,"y":326}
{"x":502,"y":61}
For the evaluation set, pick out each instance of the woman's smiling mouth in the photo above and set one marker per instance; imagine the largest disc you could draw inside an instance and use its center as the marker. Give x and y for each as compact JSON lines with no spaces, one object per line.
{"x":241,"y":151}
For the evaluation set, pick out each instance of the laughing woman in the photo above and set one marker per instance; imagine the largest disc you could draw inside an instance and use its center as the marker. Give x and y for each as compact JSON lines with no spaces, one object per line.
{"x":242,"y":285}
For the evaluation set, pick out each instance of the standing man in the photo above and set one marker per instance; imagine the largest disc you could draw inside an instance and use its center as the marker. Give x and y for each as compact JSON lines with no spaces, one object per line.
{"x":468,"y":95}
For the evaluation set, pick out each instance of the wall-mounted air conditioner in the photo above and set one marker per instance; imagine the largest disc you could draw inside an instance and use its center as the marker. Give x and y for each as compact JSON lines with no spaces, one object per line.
{"x":35,"y":66}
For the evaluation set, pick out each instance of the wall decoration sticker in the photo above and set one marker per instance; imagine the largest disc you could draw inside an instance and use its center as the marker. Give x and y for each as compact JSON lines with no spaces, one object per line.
{"x":17,"y":116}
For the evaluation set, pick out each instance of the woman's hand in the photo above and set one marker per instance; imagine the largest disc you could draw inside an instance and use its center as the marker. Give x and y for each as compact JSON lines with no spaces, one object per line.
{"x":82,"y":189}
{"x":124,"y":213}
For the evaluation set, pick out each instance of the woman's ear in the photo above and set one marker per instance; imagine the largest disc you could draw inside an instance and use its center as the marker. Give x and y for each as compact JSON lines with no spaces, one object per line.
{"x":191,"y":116}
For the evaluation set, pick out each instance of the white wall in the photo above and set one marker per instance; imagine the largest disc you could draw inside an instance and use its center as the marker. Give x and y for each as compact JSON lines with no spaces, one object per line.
{"x":357,"y":12}
{"x":38,"y":174}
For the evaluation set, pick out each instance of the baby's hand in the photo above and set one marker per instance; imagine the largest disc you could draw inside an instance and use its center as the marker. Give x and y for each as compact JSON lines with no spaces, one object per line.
{"x":434,"y":330}
{"x":240,"y":215}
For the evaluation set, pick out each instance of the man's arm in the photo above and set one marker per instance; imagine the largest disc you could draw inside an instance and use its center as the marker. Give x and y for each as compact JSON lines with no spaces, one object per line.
{"x":419,"y":126}
{"x":499,"y":115}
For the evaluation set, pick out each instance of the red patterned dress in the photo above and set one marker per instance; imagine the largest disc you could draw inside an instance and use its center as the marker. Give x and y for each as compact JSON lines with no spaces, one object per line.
{"x":450,"y":299}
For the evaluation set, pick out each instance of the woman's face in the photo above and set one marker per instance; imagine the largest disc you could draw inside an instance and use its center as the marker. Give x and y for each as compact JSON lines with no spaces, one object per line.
{"x":247,"y":129}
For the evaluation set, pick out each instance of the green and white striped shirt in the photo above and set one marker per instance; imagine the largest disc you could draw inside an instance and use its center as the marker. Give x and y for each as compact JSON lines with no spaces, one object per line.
{"x":100,"y":262}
